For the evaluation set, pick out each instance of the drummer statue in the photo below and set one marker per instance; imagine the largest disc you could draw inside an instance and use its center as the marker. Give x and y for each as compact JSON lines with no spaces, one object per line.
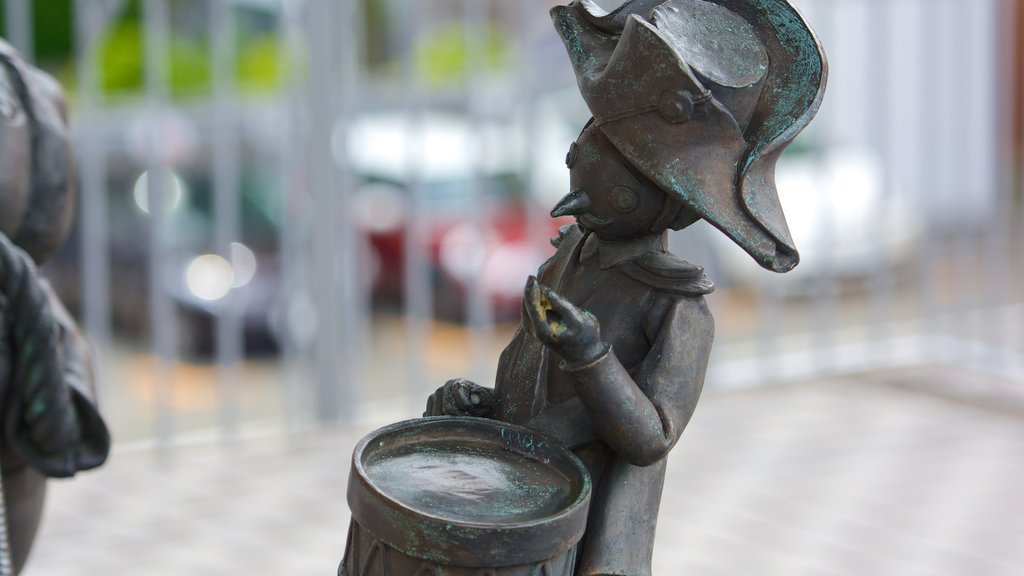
{"x":50,"y":424}
{"x":693,"y":101}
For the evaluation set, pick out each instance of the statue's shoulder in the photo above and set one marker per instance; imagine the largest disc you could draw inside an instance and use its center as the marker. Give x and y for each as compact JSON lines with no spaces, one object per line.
{"x":666,"y":273}
{"x":567,"y":235}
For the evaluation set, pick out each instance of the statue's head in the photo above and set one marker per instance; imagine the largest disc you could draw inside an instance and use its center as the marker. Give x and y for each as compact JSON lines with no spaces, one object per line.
{"x":699,"y":98}
{"x":611,"y":198}
{"x":36,"y":168}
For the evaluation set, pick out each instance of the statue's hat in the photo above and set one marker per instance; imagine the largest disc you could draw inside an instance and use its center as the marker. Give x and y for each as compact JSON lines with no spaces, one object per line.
{"x":702,"y":96}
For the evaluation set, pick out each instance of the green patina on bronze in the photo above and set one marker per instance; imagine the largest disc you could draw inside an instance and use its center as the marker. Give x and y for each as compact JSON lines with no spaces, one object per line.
{"x":28,"y":348}
{"x":581,"y":54}
{"x":795,"y":88}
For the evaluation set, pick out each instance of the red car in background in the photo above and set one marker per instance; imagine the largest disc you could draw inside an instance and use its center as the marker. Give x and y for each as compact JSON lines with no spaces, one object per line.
{"x":478,"y":224}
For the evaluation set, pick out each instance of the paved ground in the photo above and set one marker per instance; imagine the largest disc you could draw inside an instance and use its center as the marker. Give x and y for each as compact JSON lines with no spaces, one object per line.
{"x":860,"y":476}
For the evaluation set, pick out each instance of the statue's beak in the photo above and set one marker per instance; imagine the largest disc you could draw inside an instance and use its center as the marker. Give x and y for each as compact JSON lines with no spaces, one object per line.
{"x":574,"y":204}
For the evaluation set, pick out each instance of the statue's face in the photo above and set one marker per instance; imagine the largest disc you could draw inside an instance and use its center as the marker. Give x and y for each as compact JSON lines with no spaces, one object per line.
{"x":15,"y":157}
{"x":606,"y":197}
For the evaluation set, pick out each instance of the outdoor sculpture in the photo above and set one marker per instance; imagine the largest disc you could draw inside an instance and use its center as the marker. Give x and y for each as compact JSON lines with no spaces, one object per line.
{"x":693,"y":101}
{"x":50,"y":425}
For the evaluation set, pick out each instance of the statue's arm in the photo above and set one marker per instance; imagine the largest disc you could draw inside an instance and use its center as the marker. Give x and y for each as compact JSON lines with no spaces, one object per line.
{"x":642,"y":419}
{"x":79,"y":376}
{"x":50,"y":418}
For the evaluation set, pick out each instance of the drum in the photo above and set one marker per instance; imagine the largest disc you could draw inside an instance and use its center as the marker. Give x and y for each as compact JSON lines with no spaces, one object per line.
{"x":463,"y":496}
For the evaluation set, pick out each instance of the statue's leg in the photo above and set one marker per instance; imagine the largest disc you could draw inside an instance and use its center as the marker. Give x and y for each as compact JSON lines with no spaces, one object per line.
{"x":24,"y":494}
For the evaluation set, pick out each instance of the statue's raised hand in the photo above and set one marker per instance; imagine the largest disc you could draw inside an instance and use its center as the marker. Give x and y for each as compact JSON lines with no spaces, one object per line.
{"x":460,"y":397}
{"x":571,"y":332}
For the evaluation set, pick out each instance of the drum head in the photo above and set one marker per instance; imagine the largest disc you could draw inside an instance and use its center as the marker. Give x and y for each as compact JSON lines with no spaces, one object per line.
{"x":447,"y":489}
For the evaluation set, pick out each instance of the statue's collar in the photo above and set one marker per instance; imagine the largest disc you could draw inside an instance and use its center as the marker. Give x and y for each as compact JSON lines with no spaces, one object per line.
{"x":613,"y":252}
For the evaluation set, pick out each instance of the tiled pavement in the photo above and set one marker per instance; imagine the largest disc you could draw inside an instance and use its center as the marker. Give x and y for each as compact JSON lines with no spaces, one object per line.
{"x":859,"y":476}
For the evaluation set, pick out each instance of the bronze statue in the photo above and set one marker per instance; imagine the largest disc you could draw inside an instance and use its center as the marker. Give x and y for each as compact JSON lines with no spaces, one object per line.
{"x":692,"y":101}
{"x":50,"y":424}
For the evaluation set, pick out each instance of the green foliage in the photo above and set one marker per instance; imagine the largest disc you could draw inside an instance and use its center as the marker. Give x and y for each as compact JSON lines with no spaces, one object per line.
{"x":121,"y":66}
{"x":52,"y":29}
{"x":190,"y":67}
{"x":377,"y":22}
{"x":443,"y":57}
{"x":123,"y":69}
{"x":261,"y":67}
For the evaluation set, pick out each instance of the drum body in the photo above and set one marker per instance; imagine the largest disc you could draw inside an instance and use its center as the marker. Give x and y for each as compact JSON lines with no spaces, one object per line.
{"x":463,"y":496}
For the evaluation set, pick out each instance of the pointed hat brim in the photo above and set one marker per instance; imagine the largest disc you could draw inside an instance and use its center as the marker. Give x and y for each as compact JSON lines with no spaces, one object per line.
{"x":747,"y":208}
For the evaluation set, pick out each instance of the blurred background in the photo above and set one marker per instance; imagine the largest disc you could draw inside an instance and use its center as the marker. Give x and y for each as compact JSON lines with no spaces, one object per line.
{"x":299,"y":217}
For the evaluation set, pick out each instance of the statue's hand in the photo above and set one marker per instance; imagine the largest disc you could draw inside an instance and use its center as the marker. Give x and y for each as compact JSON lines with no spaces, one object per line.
{"x":460,"y":397}
{"x":571,"y":332}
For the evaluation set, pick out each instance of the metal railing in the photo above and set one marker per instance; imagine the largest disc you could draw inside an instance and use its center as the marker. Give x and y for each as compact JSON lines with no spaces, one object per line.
{"x":909,"y":222}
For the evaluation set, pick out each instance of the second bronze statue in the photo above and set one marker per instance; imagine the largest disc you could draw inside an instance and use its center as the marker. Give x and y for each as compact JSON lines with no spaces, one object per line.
{"x":50,"y":423}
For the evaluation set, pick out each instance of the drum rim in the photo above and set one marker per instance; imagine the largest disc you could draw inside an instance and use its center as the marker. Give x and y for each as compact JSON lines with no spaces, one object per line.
{"x":568,"y":523}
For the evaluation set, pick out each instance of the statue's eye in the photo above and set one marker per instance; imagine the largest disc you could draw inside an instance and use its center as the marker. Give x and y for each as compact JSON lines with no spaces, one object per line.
{"x":624,"y":199}
{"x":570,"y":158}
